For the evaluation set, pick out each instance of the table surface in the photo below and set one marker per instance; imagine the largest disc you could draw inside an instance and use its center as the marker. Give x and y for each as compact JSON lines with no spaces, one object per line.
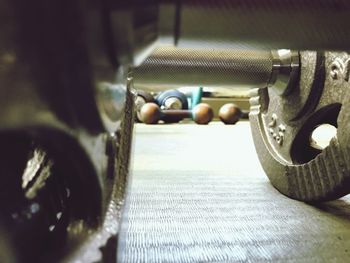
{"x":198,"y":194}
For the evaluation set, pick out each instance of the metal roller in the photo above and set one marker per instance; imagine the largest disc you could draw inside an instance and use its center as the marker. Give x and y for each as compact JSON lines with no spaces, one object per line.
{"x":170,"y":67}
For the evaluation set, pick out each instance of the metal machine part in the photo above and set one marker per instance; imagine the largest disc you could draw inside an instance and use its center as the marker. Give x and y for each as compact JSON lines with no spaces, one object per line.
{"x":204,"y":67}
{"x":283,"y":127}
{"x":173,"y":103}
{"x":64,"y":79}
{"x":285,"y":71}
{"x":65,"y":190}
{"x":240,"y":69}
{"x":65,"y":124}
{"x":172,"y":100}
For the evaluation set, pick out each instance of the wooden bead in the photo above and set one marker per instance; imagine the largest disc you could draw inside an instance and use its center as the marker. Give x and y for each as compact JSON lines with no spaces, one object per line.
{"x":230,"y":113}
{"x":150,"y":113}
{"x":202,"y":113}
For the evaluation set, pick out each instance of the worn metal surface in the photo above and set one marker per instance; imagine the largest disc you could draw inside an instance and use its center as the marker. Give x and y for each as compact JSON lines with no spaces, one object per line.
{"x":282,"y":129}
{"x":199,"y":194}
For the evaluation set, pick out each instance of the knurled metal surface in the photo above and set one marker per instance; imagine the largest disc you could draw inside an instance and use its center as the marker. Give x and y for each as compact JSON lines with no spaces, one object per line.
{"x":207,"y":67}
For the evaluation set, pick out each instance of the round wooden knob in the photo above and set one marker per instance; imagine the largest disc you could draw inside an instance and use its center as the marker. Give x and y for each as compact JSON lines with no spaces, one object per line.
{"x":150,"y":113}
{"x":202,"y":113}
{"x":230,"y":113}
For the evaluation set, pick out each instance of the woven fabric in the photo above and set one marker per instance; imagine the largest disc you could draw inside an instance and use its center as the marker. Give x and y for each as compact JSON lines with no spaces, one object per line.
{"x":198,"y":194}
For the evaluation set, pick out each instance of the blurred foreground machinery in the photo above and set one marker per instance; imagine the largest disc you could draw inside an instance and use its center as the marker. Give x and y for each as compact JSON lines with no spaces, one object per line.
{"x":67,"y":73}
{"x":66,"y":125}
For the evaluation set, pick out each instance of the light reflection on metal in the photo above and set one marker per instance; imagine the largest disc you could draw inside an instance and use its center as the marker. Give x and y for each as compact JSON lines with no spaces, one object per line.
{"x":111,"y":102}
{"x":285,"y":71}
{"x":33,"y":166}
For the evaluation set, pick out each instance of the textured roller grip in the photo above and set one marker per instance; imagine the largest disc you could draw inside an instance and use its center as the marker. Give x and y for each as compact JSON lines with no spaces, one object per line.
{"x":169,"y":66}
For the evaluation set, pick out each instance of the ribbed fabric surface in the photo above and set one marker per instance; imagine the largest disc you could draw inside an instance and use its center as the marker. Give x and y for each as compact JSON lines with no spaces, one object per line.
{"x":198,"y":194}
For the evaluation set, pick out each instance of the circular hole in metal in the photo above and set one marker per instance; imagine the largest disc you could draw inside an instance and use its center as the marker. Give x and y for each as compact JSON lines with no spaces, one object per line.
{"x":322,"y":135}
{"x":316,"y":134}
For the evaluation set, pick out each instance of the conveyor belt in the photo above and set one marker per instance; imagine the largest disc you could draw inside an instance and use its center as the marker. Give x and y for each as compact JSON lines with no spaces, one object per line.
{"x":198,"y":194}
